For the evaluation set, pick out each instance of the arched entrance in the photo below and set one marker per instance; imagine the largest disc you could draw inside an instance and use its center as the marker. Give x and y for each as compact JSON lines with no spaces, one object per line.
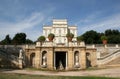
{"x":60,"y":60}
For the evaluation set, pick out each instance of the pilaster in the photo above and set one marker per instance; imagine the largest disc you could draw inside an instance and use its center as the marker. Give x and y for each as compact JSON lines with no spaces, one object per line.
{"x":83,"y":58}
{"x":37,"y":57}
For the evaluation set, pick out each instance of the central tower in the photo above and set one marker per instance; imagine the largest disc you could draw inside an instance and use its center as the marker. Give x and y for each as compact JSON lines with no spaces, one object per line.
{"x":60,"y":28}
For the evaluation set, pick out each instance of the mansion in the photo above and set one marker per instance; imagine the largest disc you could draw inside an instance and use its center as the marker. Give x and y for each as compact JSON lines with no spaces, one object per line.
{"x":60,"y":54}
{"x":60,"y":28}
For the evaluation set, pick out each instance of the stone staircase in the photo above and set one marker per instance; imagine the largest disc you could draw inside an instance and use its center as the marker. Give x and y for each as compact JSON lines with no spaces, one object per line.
{"x":116,"y":61}
{"x":12,"y":58}
{"x":110,"y":59}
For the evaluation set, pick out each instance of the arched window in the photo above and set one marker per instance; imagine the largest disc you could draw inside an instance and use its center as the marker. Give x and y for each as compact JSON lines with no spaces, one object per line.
{"x":76,"y":59}
{"x":32,"y":59}
{"x":44,"y":59}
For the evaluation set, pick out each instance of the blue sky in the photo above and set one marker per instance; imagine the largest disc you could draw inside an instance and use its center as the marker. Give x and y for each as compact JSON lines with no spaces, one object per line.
{"x":29,"y":16}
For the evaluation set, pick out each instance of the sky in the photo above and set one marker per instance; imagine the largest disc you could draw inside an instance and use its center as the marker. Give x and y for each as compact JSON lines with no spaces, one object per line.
{"x":29,"y":16}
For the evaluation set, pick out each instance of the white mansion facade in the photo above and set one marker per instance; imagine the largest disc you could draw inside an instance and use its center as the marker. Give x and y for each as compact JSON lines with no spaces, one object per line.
{"x":60,"y":28}
{"x":60,"y":53}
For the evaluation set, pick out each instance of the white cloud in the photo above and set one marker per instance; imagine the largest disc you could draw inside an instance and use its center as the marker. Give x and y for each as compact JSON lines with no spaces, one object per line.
{"x":29,"y":22}
{"x":110,"y":22}
{"x":27,"y":25}
{"x":90,"y":18}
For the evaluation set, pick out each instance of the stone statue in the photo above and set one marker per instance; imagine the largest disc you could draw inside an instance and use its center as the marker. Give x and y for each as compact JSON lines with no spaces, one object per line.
{"x":20,"y":59}
{"x":76,"y":60}
{"x":44,"y":60}
{"x":61,"y":66}
{"x":20,"y":53}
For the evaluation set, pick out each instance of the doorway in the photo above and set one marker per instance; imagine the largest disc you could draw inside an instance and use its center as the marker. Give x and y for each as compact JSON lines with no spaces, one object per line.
{"x":60,"y":60}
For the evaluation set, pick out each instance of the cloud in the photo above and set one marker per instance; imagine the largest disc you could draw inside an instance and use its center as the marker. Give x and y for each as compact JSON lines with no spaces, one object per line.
{"x":109,"y":22}
{"x":29,"y":22}
{"x":29,"y":25}
{"x":90,"y":18}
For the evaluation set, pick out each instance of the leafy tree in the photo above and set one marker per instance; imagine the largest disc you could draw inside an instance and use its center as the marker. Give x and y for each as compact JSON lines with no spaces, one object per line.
{"x":113,"y":36}
{"x":110,"y":32}
{"x":80,"y":38}
{"x":19,"y":38}
{"x":91,"y":37}
{"x":41,"y":38}
{"x":114,"y":39}
{"x":103,"y":37}
{"x":51,"y":36}
{"x":69,"y":36}
{"x":6,"y":41}
{"x":28,"y":41}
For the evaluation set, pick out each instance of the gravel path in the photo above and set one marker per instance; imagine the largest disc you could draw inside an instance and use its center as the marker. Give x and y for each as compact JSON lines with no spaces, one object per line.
{"x":113,"y":72}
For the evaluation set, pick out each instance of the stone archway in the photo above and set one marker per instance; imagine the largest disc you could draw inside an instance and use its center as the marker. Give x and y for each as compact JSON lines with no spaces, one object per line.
{"x":32,"y":60}
{"x":60,"y":60}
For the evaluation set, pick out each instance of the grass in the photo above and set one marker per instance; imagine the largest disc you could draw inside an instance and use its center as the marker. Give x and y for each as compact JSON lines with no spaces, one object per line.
{"x":22,"y":76}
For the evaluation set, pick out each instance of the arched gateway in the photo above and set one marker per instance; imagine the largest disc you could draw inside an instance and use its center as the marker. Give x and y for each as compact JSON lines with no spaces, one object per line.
{"x":60,"y":54}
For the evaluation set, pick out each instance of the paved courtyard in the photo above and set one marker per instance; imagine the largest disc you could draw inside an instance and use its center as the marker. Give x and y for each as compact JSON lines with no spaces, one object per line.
{"x":112,"y":72}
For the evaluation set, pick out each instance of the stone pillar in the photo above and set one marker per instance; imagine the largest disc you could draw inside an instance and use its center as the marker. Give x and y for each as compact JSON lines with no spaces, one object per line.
{"x":54,"y":60}
{"x":93,"y":58}
{"x":50,"y":64}
{"x":37,"y":57}
{"x":70,"y":59}
{"x":98,"y":54}
{"x":116,"y":46}
{"x":66,"y":60}
{"x":83,"y":58}
{"x":20,"y":59}
{"x":20,"y":63}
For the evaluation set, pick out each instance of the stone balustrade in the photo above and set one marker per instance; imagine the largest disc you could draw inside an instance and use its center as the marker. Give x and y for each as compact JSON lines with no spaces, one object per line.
{"x":108,"y":58}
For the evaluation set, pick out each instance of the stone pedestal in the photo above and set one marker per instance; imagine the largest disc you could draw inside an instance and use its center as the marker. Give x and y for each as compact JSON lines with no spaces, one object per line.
{"x":20,"y":63}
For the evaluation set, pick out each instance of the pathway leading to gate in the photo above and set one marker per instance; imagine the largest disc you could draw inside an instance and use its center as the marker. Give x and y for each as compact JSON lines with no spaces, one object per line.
{"x":112,"y":72}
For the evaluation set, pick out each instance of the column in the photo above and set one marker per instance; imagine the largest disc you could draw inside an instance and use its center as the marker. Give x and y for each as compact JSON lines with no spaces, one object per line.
{"x":66,"y":61}
{"x":37,"y":57}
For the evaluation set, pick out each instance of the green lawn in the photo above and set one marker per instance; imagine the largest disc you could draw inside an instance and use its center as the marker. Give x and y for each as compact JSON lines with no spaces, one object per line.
{"x":21,"y":76}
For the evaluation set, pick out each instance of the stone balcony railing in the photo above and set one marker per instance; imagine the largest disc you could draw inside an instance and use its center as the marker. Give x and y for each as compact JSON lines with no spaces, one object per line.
{"x":51,"y":44}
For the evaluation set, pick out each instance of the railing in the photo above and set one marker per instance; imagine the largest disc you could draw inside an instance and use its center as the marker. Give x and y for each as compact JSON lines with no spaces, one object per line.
{"x":108,"y":58}
{"x":48,"y":44}
{"x":101,"y":45}
{"x":51,"y":44}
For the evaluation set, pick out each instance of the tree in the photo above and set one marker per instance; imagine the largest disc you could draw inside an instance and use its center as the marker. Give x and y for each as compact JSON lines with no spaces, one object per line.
{"x":80,"y":38}
{"x":6,"y":41}
{"x":51,"y":36}
{"x":113,"y":36}
{"x":28,"y":41}
{"x":41,"y":38}
{"x":111,"y":32}
{"x":104,"y":39}
{"x":19,"y":38}
{"x":69,"y":36}
{"x":91,"y":37}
